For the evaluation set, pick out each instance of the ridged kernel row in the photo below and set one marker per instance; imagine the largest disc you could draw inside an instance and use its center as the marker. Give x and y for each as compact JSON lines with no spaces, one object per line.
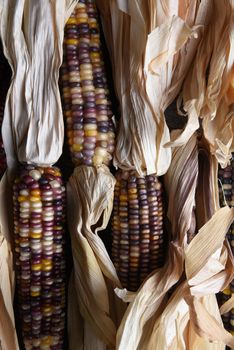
{"x":137,"y":226}
{"x":85,"y":94}
{"x":39,"y":217}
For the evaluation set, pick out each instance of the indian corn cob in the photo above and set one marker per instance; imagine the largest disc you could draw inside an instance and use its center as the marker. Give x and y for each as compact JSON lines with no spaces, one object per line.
{"x":137,"y":225}
{"x":39,"y":215}
{"x":86,"y":102}
{"x":227,"y":176}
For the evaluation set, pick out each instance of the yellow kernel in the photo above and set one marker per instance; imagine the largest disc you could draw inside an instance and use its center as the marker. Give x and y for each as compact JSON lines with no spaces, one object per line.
{"x":227,"y":291}
{"x":132,"y":196}
{"x":123,"y":197}
{"x":46,"y":340}
{"x":36,"y":267}
{"x":90,"y":127}
{"x":132,"y":190}
{"x":35,"y":294}
{"x":86,"y":67}
{"x":95,"y":54}
{"x":35,"y":193}
{"x":77,"y":148}
{"x":97,"y":41}
{"x":72,"y":41}
{"x":46,"y":262}
{"x":81,"y":20}
{"x":21,"y":199}
{"x":90,"y":133}
{"x":47,"y":267}
{"x":47,"y":309}
{"x":71,"y":20}
{"x":35,"y":235}
{"x":102,"y":101}
{"x":88,"y":88}
{"x":93,"y":25}
{"x":34,"y":199}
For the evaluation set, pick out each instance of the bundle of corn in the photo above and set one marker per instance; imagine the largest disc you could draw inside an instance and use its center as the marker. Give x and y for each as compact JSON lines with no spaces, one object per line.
{"x":90,"y":133}
{"x":226,"y":176}
{"x":137,"y":227}
{"x":148,"y":76}
{"x":85,"y":94}
{"x":39,"y":215}
{"x":33,"y":134}
{"x":143,"y":131}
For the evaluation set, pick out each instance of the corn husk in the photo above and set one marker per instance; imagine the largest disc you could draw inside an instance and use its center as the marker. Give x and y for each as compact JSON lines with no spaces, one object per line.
{"x":33,"y":122}
{"x":208,"y":88}
{"x":138,"y":322}
{"x":148,"y":76}
{"x":8,"y":338}
{"x":90,"y":197}
{"x":144,"y":84}
{"x":190,"y":318}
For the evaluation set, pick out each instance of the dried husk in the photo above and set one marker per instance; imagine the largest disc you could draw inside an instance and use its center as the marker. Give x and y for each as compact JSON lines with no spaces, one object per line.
{"x":8,"y":338}
{"x":137,"y":325}
{"x":33,"y":120}
{"x":208,"y":88}
{"x":208,"y":268}
{"x":190,"y":318}
{"x":90,"y":199}
{"x":148,"y":76}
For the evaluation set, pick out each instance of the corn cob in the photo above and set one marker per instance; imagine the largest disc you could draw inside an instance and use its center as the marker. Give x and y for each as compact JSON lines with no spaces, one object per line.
{"x":39,"y":215}
{"x":85,"y":95}
{"x":137,"y":225}
{"x":227,"y":176}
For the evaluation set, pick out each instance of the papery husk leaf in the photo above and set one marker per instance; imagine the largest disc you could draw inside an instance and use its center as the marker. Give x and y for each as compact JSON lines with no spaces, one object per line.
{"x":208,"y":88}
{"x":209,"y":239}
{"x":188,"y":299}
{"x":138,"y":69}
{"x":90,"y":197}
{"x":207,"y":326}
{"x":33,"y":126}
{"x":138,"y":320}
{"x":8,"y":337}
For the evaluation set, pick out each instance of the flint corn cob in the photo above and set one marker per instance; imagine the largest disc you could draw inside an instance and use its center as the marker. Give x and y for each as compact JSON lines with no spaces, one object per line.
{"x":85,"y":95}
{"x":137,"y":225}
{"x":227,"y":178}
{"x":39,"y":215}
